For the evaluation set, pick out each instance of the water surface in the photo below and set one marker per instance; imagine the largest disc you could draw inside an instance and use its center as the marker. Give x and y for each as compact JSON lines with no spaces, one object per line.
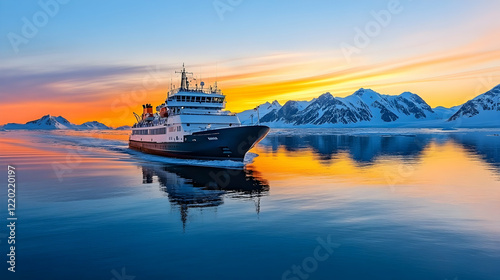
{"x":314,"y":204}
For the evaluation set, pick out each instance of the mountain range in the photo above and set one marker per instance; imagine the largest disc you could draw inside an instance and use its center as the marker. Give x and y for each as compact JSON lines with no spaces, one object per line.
{"x":367,"y":108}
{"x":364,"y":108}
{"x":49,"y":122}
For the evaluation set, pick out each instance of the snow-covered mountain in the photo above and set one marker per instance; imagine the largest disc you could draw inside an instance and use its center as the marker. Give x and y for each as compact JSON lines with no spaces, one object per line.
{"x":445,"y":113}
{"x":364,"y":107}
{"x":49,"y":122}
{"x":247,"y":116}
{"x":124,"y":127}
{"x":93,"y":125}
{"x":483,"y":110}
{"x":45,"y":122}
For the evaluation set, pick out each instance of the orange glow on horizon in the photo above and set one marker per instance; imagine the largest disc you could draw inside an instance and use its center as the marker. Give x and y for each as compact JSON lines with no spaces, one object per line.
{"x":440,"y":78}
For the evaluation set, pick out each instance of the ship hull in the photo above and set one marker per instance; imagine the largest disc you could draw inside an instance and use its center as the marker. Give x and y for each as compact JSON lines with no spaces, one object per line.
{"x":218,"y":144}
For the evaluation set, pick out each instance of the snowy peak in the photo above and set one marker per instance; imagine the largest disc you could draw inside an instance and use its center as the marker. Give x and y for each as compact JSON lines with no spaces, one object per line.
{"x":410,"y":104}
{"x":94,"y":125}
{"x":488,"y":102}
{"x":251,"y":116}
{"x":49,"y":122}
{"x":367,"y":94}
{"x":413,"y":97}
{"x":269,"y":106}
{"x":325,"y":97}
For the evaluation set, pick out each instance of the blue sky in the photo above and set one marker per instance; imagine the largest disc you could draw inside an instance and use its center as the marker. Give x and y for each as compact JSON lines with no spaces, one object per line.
{"x":189,"y":30}
{"x":255,"y":42}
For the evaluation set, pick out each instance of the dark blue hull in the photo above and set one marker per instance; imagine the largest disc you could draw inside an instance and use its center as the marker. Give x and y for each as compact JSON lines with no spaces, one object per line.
{"x":217,"y":144}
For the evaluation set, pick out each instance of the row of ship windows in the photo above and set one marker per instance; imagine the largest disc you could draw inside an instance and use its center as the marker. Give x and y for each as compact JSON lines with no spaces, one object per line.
{"x":155,"y":131}
{"x":199,"y":99}
{"x":174,"y":128}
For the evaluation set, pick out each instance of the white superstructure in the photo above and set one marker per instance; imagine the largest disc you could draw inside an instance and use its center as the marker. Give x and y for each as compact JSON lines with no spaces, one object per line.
{"x":185,"y":111}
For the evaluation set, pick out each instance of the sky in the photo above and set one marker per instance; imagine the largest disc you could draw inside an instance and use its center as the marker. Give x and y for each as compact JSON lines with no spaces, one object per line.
{"x":101,"y":60}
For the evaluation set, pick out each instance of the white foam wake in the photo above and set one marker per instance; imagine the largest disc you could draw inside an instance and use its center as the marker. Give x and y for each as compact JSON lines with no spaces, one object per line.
{"x":121,"y":147}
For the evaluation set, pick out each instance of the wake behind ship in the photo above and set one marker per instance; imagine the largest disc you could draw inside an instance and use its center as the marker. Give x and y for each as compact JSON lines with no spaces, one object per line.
{"x":192,"y":124}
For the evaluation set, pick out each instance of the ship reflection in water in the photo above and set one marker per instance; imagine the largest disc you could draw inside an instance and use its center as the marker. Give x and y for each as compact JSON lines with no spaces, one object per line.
{"x":201,"y":187}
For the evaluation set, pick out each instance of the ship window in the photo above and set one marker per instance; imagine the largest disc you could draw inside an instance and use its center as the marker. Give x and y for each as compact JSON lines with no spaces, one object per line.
{"x":178,"y":98}
{"x":203,"y":99}
{"x":188,"y":124}
{"x":197,"y":99}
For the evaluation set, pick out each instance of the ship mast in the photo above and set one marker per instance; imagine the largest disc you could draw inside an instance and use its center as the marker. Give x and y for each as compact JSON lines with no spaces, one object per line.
{"x":184,"y":80}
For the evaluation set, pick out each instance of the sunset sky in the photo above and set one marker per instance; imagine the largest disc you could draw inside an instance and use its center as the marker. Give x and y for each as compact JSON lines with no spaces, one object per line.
{"x":100,"y":60}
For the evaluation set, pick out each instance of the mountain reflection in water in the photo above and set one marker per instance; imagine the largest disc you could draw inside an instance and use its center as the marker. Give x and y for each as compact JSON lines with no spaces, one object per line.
{"x":366,"y":149}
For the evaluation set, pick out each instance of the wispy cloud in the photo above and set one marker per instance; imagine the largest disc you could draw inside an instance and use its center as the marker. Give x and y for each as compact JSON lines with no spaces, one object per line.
{"x":67,"y":84}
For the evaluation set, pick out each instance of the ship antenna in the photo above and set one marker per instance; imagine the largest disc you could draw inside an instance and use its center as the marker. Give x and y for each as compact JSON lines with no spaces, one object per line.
{"x":168,"y":93}
{"x":184,"y":80}
{"x":216,"y":75}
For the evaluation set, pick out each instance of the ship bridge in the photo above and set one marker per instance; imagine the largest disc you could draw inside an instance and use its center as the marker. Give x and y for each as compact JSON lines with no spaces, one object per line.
{"x":196,"y":99}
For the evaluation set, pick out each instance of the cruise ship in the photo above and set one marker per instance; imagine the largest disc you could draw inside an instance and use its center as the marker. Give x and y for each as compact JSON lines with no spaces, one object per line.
{"x":192,"y":123}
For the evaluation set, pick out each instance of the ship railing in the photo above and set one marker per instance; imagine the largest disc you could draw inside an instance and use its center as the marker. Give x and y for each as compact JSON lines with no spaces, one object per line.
{"x":206,"y":113}
{"x":152,"y":123}
{"x":205,"y":90}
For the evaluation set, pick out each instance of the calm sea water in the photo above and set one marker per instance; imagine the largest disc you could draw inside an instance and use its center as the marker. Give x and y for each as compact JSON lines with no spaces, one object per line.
{"x":314,"y":204}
